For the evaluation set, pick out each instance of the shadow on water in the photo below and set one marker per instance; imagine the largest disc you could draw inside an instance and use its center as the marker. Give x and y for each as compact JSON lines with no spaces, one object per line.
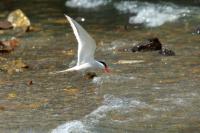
{"x":153,"y":93}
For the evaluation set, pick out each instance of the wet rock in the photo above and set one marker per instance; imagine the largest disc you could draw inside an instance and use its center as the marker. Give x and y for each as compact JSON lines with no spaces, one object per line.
{"x":166,"y":52}
{"x":2,"y":108}
{"x":11,"y":95}
{"x":30,"y":82}
{"x":197,"y":30}
{"x":151,"y":44}
{"x":14,"y":66}
{"x":8,"y":45}
{"x":90,"y":75}
{"x":5,"y":25}
{"x":19,"y":20}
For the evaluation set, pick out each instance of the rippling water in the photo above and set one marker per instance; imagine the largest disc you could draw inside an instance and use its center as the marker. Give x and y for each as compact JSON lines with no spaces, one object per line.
{"x":145,"y":92}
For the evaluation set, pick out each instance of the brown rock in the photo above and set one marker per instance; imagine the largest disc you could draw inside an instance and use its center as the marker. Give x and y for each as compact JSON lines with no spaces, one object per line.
{"x":5,"y":25}
{"x":8,"y":45}
{"x":2,"y":108}
{"x":14,"y":66}
{"x":30,"y":82}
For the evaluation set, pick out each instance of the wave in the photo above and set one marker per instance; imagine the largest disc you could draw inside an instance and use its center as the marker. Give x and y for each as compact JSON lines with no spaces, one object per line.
{"x":86,"y":3}
{"x":88,"y":123}
{"x":151,"y":15}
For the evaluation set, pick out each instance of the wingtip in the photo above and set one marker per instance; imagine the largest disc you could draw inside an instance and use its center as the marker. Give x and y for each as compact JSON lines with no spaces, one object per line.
{"x":66,"y":16}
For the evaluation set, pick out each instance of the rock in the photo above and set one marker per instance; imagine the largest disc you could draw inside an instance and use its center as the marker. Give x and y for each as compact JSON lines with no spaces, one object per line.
{"x":2,"y":108}
{"x":151,"y":44}
{"x":90,"y":75}
{"x":8,"y":45}
{"x":11,"y":95}
{"x":14,"y":66}
{"x":19,"y":20}
{"x":166,"y":52}
{"x":5,"y":25}
{"x":30,"y":82}
{"x":197,"y":30}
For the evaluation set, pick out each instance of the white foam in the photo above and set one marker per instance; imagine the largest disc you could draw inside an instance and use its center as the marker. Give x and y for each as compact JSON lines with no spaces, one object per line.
{"x":86,"y":3}
{"x":71,"y":127}
{"x":112,"y":79}
{"x":151,"y":15}
{"x":110,"y":103}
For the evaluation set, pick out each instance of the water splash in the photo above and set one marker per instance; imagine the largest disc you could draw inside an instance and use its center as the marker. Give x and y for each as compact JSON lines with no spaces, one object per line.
{"x":86,"y":3}
{"x":112,"y":79}
{"x":110,"y":103}
{"x":69,"y":127}
{"x":151,"y":15}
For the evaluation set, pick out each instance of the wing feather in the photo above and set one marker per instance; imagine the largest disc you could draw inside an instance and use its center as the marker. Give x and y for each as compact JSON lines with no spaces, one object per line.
{"x":86,"y":44}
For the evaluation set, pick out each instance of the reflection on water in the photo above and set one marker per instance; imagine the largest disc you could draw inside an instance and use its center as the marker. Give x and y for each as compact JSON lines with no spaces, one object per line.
{"x":150,"y":93}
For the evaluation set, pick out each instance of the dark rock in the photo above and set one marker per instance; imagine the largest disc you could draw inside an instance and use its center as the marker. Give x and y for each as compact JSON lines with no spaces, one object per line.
{"x":5,"y":25}
{"x":151,"y":44}
{"x":90,"y":75}
{"x":167,"y":52}
{"x":2,"y":108}
{"x":197,"y":31}
{"x":30,"y":82}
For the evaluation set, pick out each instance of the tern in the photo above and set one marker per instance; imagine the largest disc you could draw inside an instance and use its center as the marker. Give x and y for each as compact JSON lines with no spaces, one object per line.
{"x":86,"y":50}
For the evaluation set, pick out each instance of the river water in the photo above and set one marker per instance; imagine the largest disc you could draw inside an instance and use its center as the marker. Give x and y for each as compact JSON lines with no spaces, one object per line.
{"x":145,"y":92}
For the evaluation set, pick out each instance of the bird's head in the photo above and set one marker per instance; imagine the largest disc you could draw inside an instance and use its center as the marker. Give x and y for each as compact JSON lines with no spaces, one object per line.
{"x":104,"y":66}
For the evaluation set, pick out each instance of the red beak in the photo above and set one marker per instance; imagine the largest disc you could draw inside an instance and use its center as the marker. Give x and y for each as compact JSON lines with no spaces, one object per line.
{"x":107,"y":70}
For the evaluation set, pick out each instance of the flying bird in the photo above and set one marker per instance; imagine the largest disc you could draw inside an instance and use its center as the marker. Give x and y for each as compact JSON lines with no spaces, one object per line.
{"x":86,"y":50}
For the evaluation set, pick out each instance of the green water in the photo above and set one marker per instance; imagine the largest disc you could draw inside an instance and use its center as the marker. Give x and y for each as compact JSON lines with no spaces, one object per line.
{"x":169,"y":86}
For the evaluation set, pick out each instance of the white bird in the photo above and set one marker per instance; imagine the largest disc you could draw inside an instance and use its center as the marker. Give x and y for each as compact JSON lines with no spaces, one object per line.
{"x":86,"y":50}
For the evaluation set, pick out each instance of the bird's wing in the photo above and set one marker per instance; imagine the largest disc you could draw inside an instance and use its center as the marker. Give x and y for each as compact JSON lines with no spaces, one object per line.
{"x":86,"y":44}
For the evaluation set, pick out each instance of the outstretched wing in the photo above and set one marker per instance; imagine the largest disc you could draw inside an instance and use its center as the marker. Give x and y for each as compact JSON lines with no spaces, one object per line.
{"x":86,"y":44}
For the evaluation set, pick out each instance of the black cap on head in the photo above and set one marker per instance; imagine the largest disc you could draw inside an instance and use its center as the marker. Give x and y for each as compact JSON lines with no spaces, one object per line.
{"x":105,"y":65}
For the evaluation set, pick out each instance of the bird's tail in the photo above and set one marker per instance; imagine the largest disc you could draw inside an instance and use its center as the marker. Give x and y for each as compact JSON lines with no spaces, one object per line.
{"x":63,"y":71}
{"x":58,"y":72}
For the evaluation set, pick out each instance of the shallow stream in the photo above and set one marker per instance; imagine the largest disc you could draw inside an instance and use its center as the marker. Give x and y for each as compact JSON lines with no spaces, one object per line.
{"x":145,"y":92}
